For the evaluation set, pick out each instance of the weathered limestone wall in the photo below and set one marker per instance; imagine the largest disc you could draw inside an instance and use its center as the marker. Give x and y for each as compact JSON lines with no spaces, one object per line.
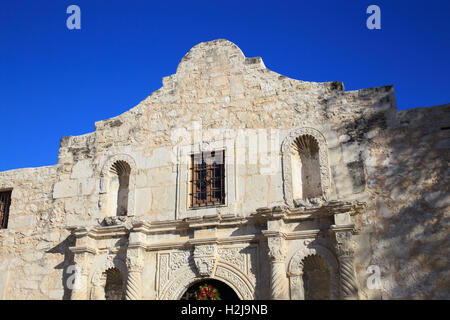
{"x":218,"y":88}
{"x":397,"y":162}
{"x":405,"y":229}
{"x":32,"y":248}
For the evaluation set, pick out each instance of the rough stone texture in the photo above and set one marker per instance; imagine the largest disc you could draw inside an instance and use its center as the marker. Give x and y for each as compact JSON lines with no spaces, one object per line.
{"x":388,"y":186}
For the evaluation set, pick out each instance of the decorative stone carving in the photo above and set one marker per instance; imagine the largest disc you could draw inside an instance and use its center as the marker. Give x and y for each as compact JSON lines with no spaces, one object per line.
{"x":345,"y":251}
{"x":286,"y":150}
{"x":163,"y":270}
{"x":186,"y":276}
{"x":179,"y":285}
{"x":179,"y":259}
{"x":344,"y":244}
{"x":135,"y":264}
{"x":237,"y":282}
{"x":234,"y":257}
{"x":113,"y":221}
{"x":296,"y":264}
{"x":277,"y":256}
{"x":98,"y":278}
{"x":310,"y":202}
{"x":205,"y":259}
{"x":277,"y":249}
{"x":170,"y":264}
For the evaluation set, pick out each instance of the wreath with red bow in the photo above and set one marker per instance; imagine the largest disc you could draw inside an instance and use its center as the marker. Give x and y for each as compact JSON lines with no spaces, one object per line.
{"x":207,"y":292}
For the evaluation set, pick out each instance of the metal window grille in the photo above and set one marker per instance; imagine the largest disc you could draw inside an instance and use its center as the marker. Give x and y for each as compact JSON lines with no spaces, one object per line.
{"x":5,"y":202}
{"x":207,"y":179}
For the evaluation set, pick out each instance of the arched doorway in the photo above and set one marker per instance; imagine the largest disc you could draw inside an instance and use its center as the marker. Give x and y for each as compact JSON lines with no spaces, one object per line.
{"x":222,"y":290}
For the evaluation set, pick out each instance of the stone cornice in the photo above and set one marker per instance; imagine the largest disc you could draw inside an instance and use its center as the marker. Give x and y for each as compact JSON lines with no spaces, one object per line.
{"x":343,"y":228}
{"x":328,"y":209}
{"x":194,"y":242}
{"x":283,"y":214}
{"x":83,"y":249}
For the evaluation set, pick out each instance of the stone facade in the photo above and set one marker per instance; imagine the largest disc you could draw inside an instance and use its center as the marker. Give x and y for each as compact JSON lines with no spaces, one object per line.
{"x":322,"y":185}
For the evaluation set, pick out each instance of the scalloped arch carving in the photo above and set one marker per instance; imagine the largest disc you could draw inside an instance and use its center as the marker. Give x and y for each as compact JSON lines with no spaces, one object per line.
{"x":296,"y":265}
{"x":297,"y":260}
{"x":186,"y":276}
{"x":111,"y":167}
{"x":97,"y":279}
{"x":287,"y":148}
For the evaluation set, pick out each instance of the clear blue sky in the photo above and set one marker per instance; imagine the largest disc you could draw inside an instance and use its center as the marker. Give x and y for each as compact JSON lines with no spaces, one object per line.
{"x":56,"y":82}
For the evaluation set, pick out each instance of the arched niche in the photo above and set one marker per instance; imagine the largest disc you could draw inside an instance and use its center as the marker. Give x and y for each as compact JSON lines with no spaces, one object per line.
{"x":309,"y":258}
{"x":104,"y":267}
{"x":117,"y":186}
{"x":305,"y":166}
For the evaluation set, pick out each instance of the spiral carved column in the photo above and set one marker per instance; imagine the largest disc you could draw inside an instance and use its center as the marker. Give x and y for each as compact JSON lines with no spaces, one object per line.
{"x":135,"y":267}
{"x":349,"y":286}
{"x":134,"y":285}
{"x":345,"y":252}
{"x":278,"y":280}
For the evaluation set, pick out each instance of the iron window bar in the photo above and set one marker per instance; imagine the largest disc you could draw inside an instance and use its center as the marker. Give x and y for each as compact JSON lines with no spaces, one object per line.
{"x":207,"y":179}
{"x":5,"y":202}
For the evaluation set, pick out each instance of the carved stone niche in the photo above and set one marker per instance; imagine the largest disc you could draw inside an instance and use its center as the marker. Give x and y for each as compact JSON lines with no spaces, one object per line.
{"x":297,"y":191}
{"x":205,"y":257}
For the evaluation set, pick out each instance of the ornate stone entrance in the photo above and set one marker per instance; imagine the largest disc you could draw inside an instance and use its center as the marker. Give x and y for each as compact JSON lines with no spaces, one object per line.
{"x":220,"y":290}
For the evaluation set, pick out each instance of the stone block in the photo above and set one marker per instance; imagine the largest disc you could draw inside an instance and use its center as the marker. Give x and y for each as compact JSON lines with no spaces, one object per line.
{"x":143,"y":201}
{"x":82,"y":169}
{"x":87,"y":186}
{"x":21,"y":222}
{"x":65,"y":188}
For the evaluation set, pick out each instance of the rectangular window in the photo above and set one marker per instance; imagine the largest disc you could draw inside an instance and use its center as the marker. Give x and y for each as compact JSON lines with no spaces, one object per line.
{"x":207,"y":179}
{"x":5,"y":202}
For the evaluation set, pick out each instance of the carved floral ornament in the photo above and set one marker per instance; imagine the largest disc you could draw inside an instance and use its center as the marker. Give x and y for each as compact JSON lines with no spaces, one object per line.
{"x":277,"y":249}
{"x":205,"y":259}
{"x":135,"y":260}
{"x":180,"y":268}
{"x":287,"y":147}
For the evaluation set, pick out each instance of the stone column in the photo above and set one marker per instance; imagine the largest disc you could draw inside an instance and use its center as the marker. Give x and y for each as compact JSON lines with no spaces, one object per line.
{"x":278,"y":280}
{"x":82,"y":266}
{"x":135,"y":264}
{"x":345,"y":252}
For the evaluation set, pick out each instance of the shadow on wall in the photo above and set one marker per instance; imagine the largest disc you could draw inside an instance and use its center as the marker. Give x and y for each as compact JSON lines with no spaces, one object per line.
{"x":405,"y":232}
{"x":63,"y":248}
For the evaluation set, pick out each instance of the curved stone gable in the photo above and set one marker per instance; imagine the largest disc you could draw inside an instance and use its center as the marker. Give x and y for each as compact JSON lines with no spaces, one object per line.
{"x":379,"y":170}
